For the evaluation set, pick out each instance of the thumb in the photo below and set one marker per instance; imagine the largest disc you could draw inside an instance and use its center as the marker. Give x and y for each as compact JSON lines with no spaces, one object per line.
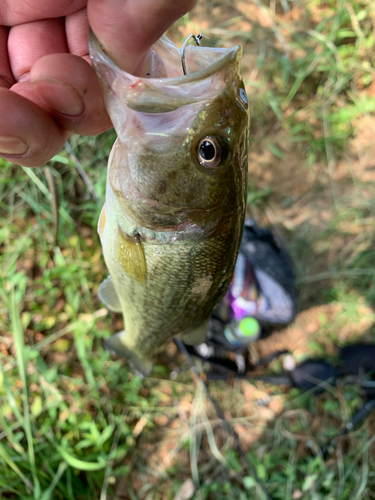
{"x":128,"y":28}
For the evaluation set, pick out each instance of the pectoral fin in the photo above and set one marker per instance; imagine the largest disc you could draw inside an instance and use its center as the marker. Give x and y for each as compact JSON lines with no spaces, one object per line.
{"x":108,"y":295}
{"x":131,"y":256}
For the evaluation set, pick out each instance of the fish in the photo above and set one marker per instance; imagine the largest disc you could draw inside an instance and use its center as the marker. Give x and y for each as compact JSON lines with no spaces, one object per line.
{"x":174,"y":211}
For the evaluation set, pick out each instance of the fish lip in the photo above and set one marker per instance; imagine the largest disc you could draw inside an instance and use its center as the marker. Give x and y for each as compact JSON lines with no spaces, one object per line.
{"x":229,"y":58}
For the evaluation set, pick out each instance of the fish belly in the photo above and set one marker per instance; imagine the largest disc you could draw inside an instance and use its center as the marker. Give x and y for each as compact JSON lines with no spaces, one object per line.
{"x":173,"y":293}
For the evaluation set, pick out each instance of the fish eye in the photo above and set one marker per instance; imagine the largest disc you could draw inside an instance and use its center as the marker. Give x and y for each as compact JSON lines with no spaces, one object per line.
{"x":209,"y":152}
{"x":243,"y":97}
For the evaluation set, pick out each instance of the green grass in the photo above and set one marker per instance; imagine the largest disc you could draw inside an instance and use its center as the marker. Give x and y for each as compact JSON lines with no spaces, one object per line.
{"x":59,"y":427}
{"x":75,"y":424}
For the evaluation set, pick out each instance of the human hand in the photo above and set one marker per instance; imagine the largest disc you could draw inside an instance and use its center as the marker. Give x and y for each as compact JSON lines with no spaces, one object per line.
{"x":47,"y":87}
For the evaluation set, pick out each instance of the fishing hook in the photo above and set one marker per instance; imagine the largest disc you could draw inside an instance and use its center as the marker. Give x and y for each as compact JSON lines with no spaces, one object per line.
{"x":197,"y":39}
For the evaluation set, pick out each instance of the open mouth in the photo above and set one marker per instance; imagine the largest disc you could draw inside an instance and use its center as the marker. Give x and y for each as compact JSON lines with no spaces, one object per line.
{"x":162,"y":86}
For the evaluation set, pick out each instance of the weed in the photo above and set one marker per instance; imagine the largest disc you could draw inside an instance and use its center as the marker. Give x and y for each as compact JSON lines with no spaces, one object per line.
{"x":76,"y":424}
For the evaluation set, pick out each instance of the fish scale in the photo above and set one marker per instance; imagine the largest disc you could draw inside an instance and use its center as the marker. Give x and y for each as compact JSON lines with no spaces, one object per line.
{"x":174,"y":213}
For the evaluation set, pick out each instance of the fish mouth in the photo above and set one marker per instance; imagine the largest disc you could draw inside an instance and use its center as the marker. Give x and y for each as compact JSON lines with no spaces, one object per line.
{"x":204,"y":61}
{"x":162,"y":85}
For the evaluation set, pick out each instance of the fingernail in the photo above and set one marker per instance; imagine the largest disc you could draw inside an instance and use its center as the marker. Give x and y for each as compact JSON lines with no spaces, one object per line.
{"x":12,"y":146}
{"x":59,"y":96}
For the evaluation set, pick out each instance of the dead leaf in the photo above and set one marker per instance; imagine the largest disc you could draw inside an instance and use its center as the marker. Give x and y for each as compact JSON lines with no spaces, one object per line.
{"x":139,"y":426}
{"x":186,"y":491}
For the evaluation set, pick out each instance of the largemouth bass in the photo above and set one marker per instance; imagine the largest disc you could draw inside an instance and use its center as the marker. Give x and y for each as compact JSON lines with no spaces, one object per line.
{"x":175,"y":202}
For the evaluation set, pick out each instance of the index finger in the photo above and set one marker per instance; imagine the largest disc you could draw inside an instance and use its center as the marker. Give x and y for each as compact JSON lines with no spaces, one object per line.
{"x":127,"y":29}
{"x":15,"y":12}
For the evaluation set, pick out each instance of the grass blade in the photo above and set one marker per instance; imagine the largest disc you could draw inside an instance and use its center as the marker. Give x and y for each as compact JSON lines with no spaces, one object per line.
{"x":60,"y":471}
{"x":22,"y":362}
{"x":4,"y":455}
{"x":64,"y":214}
{"x":76,"y":463}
